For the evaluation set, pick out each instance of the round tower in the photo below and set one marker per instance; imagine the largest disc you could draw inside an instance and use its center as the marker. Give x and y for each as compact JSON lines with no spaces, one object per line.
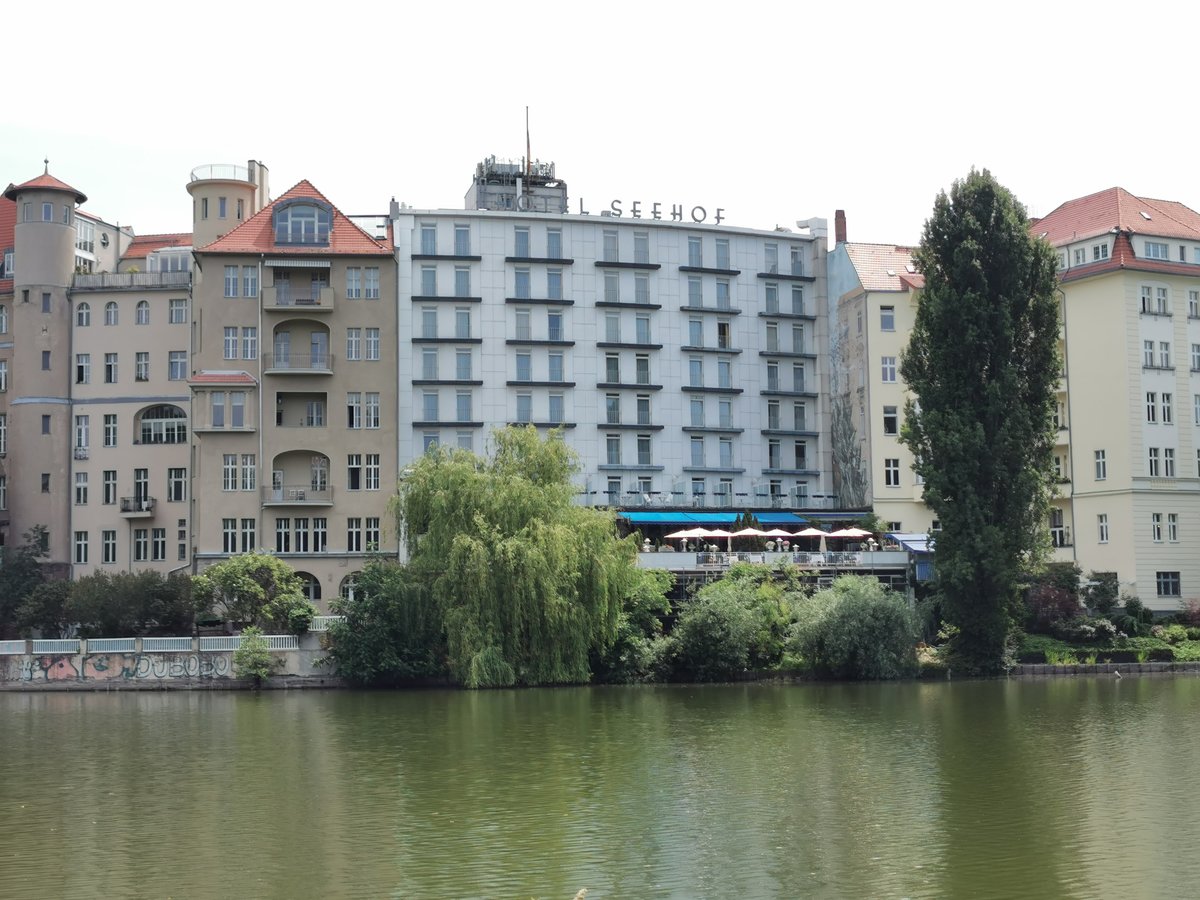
{"x":223,"y":197}
{"x":39,"y":390}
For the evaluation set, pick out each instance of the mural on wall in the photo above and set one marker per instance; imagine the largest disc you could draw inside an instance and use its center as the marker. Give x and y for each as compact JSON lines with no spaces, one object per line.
{"x":115,"y":666}
{"x":849,"y":471}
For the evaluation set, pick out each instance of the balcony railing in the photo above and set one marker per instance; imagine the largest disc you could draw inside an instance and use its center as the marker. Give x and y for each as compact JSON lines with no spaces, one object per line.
{"x":127,"y":280}
{"x":297,"y":494}
{"x":220,"y":172}
{"x":81,"y":452}
{"x":298,"y":362}
{"x":137,"y":506}
{"x":310,"y":299}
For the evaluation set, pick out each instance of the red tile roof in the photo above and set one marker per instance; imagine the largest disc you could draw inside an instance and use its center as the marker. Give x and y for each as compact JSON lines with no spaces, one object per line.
{"x":1123,"y":258}
{"x":883,"y":267}
{"x":8,"y":224}
{"x":145,"y":244}
{"x":1116,"y":208}
{"x":257,"y":234}
{"x":222,"y":376}
{"x":45,"y":182}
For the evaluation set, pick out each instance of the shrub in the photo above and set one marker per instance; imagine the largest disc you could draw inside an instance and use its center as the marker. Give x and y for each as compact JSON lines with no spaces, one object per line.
{"x":711,"y":639}
{"x":1082,"y":630}
{"x":1173,"y":634}
{"x":1049,"y":605}
{"x":857,"y":629}
{"x":1193,"y":634}
{"x":1189,"y":612}
{"x":1102,"y":592}
{"x":252,"y":659}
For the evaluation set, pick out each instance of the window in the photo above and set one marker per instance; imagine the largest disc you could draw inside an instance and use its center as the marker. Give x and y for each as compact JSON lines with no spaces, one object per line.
{"x":229,"y":535}
{"x":722,"y":248}
{"x":641,"y":287}
{"x":83,"y":316}
{"x":429,"y":406}
{"x":891,"y":421}
{"x":524,"y":330}
{"x":521,"y":241}
{"x":142,"y":313}
{"x":612,"y":449}
{"x":372,"y":409}
{"x":1148,"y":354}
{"x":141,"y":545}
{"x":609,"y":251}
{"x":428,"y":240}
{"x":354,"y":472}
{"x":222,"y":206}
{"x":462,"y":323}
{"x":45,"y":482}
{"x":696,"y":371}
{"x":612,"y":287}
{"x":641,"y":326}
{"x":722,"y":293}
{"x":798,"y":377}
{"x":108,"y":546}
{"x":177,"y":312}
{"x":3,"y":434}
{"x":554,"y":284}
{"x":462,"y":281}
{"x":773,"y":420}
{"x":797,"y":300}
{"x":695,"y":253}
{"x":524,"y":407}
{"x":462,"y":365}
{"x":176,"y":485}
{"x":46,"y":360}
{"x":695,"y":291}
{"x":612,"y":368}
{"x":81,"y":547}
{"x":643,"y":450}
{"x":643,"y":409}
{"x":696,"y":332}
{"x":1156,"y":527}
{"x":429,"y":281}
{"x":771,"y":298}
{"x":47,"y":212}
{"x":1152,"y":458}
{"x":82,"y":430}
{"x":231,"y":342}
{"x":81,"y":488}
{"x":524,"y":367}
{"x":302,"y":222}
{"x":177,"y":365}
{"x":250,"y":471}
{"x":891,"y":472}
{"x":462,"y":240}
{"x":1102,"y":528}
{"x":724,"y":374}
{"x":217,"y":404}
{"x":554,"y":326}
{"x":462,"y":406}
{"x":1168,"y":413}
{"x":800,"y":454}
{"x":353,"y":343}
{"x":250,"y":342}
{"x":1099,"y":252}
{"x":231,"y":281}
{"x":641,"y":247}
{"x":110,"y":368}
{"x":697,"y":445}
{"x":774,"y":453}
{"x":771,"y":258}
{"x":141,"y":366}
{"x":1168,"y":462}
{"x":1151,"y":406}
{"x":612,"y":409}
{"x":889,"y":369}
{"x":1157,"y":250}
{"x":887,"y":318}
{"x":725,"y":448}
{"x":3,"y":375}
{"x":1194,"y":304}
{"x":354,"y":535}
{"x":83,"y":368}
{"x":229,"y":472}
{"x":1164,"y":354}
{"x":1196,"y":357}
{"x":557,"y":407}
{"x":283,"y":535}
{"x":45,"y":424}
{"x":1173,"y":527}
{"x":108,"y":482}
{"x":373,"y":343}
{"x":429,"y":322}
{"x":697,"y":411}
{"x":353,"y":282}
{"x":554,"y":243}
{"x":1168,"y":584}
{"x":554,"y":362}
{"x":1101,"y":465}
{"x":371,"y":282}
{"x":162,"y":424}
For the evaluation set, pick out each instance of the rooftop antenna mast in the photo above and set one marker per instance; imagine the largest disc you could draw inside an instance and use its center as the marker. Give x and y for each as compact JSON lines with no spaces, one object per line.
{"x":528,"y":152}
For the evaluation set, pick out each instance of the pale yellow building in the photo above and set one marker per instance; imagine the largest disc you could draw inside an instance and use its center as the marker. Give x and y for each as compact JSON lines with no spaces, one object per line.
{"x":873,"y":291}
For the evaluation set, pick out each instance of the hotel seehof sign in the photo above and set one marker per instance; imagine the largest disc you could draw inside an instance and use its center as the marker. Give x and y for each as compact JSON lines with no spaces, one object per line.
{"x":673,"y":212}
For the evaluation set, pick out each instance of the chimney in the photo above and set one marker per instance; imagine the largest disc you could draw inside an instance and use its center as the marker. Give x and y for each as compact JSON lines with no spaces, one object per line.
{"x":839,"y":227}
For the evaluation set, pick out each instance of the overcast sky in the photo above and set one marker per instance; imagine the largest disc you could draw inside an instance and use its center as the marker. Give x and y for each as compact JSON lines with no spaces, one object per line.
{"x":773,"y":111}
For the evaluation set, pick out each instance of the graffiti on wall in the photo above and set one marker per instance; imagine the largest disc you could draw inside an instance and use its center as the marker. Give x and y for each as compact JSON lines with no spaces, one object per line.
{"x":116,"y":666}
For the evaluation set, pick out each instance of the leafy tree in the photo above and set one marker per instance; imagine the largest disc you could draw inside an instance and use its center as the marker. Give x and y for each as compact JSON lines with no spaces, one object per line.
{"x":1102,"y":592}
{"x":857,"y":629}
{"x":631,"y":655}
{"x":747,"y":519}
{"x":712,"y":636}
{"x":982,"y":360}
{"x":256,"y":589}
{"x":253,"y":659}
{"x":20,"y":573}
{"x":528,"y":583}
{"x":126,"y":603}
{"x":45,"y":608}
{"x":392,"y":631}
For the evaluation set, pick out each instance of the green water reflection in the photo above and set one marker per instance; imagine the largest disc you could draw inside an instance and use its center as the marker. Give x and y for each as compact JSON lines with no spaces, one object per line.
{"x":1058,"y":788}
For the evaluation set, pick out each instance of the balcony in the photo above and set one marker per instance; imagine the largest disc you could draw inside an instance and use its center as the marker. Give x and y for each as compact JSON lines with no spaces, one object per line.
{"x":137,"y":507}
{"x":81,"y":452}
{"x":297,"y":363}
{"x":281,"y":298}
{"x":130,"y":281}
{"x":297,"y":495}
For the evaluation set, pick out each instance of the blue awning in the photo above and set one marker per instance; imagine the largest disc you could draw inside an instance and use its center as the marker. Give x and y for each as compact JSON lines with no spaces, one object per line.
{"x":913,"y":542}
{"x":706,"y":518}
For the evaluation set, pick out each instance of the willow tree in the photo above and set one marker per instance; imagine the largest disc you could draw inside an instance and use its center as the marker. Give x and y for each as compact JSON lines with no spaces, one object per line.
{"x":527,"y":581}
{"x":983,"y":364}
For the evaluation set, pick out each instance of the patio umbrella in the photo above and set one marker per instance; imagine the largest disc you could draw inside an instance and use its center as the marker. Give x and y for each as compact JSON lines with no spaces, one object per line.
{"x":811,"y":532}
{"x":777,"y":533}
{"x":751,"y":532}
{"x":850,"y":533}
{"x":686,"y":534}
{"x":719,"y":533}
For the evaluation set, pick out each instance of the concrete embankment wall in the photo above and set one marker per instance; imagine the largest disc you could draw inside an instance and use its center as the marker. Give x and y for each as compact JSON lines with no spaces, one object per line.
{"x":304,"y":666}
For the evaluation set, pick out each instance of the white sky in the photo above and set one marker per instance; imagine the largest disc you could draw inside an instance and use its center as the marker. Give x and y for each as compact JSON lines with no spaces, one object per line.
{"x":774,"y":111}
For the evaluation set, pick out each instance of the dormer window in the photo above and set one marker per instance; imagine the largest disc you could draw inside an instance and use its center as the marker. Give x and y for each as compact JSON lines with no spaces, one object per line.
{"x":302,"y":222}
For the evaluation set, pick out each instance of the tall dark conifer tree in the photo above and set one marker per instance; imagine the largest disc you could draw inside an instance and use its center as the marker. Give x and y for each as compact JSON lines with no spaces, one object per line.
{"x":983,"y":364}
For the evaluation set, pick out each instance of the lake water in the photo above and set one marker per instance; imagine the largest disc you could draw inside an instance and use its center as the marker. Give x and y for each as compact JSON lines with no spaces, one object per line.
{"x":1059,"y":788}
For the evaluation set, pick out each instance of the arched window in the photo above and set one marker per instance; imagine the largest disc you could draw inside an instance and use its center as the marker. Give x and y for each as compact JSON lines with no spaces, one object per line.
{"x":162,"y":424}
{"x":143,"y":312}
{"x":348,"y":590}
{"x":312,"y":587}
{"x":83,"y":315}
{"x":302,"y":221}
{"x":110,"y":312}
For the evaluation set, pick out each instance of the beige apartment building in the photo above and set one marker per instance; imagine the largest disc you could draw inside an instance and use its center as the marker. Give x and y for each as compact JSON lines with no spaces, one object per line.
{"x":293,"y":383}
